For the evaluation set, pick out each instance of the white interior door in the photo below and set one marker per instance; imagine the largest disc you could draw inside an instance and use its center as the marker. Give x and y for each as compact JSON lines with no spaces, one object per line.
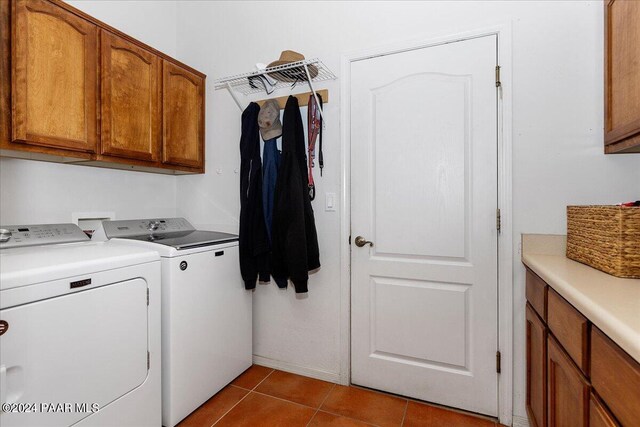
{"x":424,"y":191}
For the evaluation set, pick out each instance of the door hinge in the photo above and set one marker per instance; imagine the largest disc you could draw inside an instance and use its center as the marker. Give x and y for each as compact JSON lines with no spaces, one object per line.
{"x":147,"y":296}
{"x":498,"y":220}
{"x":148,"y":360}
{"x":498,"y":82}
{"x":498,"y":361}
{"x":349,"y":238}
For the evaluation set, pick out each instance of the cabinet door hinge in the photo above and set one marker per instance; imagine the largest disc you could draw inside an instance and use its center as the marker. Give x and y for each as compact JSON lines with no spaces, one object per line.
{"x":498,"y":82}
{"x":148,"y":360}
{"x":498,"y":220}
{"x":349,"y":238}
{"x":497,"y":361}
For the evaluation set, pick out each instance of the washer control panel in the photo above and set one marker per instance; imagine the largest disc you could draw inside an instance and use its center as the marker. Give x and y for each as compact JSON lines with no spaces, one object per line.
{"x":16,"y":236}
{"x":137,"y":227}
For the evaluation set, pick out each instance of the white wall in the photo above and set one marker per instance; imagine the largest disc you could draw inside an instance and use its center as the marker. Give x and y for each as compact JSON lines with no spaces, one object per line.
{"x":39,"y":192}
{"x":557,"y":135}
{"x":557,"y":132}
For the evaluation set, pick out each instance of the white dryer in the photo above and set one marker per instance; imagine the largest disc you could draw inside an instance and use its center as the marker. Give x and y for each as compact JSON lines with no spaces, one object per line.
{"x":79,"y":330}
{"x":206,"y":311}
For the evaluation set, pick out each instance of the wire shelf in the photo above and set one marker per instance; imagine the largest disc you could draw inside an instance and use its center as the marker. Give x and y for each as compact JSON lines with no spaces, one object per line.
{"x":248,"y":83}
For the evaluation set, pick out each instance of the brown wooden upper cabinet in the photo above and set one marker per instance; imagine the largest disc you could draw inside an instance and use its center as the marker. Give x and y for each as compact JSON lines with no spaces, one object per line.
{"x":74,"y":89}
{"x":622,"y":76}
{"x":54,"y":77}
{"x":182,"y":117}
{"x":130,"y":100}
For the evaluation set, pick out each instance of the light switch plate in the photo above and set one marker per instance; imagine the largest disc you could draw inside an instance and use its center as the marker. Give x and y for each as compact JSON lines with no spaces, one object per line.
{"x":330,"y":201}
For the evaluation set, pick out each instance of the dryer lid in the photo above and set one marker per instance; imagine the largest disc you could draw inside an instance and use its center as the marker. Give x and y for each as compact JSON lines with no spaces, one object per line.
{"x":173,"y":232}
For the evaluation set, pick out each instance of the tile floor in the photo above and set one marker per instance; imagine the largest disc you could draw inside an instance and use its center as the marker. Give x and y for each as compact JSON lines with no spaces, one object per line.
{"x":266,"y":397}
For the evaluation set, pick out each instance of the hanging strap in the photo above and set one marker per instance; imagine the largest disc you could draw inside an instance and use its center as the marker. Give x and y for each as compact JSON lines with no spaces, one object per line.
{"x":313,"y":129}
{"x":320,"y":157}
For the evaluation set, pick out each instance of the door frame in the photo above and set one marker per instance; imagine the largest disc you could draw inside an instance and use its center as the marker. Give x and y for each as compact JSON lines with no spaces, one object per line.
{"x":505,"y":237}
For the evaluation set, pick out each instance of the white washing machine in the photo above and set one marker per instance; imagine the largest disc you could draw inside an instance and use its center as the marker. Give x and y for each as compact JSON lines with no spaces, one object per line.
{"x":206,"y":311}
{"x":79,"y":330}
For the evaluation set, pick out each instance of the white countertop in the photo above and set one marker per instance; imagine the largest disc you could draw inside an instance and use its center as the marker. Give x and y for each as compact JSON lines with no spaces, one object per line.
{"x":609,"y":302}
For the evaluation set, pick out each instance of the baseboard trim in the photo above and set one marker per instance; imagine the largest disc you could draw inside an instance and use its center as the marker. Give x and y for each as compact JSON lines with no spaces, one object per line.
{"x":296,"y":369}
{"x":520,"y":421}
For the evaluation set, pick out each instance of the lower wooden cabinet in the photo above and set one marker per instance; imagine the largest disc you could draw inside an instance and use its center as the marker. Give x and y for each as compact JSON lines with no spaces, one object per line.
{"x":568,"y":390}
{"x":576,"y":375}
{"x":570,"y":328}
{"x":616,"y":378}
{"x":599,"y":416}
{"x":536,"y":369}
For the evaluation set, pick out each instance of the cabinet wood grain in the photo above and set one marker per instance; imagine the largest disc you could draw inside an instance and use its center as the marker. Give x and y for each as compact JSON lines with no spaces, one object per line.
{"x":568,"y":390}
{"x":616,"y":378}
{"x":536,"y":292}
{"x":5,"y":73}
{"x":622,"y":76}
{"x":570,"y":328}
{"x":130,"y":100}
{"x":54,"y":77}
{"x":599,"y":415}
{"x":536,"y":369}
{"x":183,"y":117}
{"x":590,"y":380}
{"x":74,"y":89}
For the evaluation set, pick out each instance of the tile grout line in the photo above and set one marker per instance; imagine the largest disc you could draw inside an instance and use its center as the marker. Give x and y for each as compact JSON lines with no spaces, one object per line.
{"x":282,"y":399}
{"x":264,"y":379}
{"x":321,"y":403}
{"x":243,"y":397}
{"x":230,"y":409}
{"x":404,"y":416}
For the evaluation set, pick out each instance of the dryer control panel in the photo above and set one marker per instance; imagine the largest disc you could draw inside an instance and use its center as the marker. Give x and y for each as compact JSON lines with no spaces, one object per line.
{"x":16,"y":236}
{"x":137,"y":227}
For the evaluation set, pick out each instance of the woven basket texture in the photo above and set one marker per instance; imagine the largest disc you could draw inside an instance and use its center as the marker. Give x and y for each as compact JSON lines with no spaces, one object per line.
{"x":606,"y":238}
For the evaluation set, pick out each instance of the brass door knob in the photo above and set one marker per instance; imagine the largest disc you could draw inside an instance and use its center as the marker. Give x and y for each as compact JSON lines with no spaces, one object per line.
{"x":361,"y":241}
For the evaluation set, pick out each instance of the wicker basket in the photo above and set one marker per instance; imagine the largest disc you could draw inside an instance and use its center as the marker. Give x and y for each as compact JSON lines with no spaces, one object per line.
{"x":606,"y":238}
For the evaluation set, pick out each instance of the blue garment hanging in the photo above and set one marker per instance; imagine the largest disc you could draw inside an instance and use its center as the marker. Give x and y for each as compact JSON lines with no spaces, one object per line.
{"x":270,"y":164}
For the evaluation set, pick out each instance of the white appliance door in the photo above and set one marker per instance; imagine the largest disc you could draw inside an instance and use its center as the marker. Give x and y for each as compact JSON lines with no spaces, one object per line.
{"x":89,"y":347}
{"x":206,"y":328}
{"x":424,"y":191}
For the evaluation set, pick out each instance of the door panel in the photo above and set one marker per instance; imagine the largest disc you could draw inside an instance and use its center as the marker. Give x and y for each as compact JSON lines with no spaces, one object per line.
{"x":411,"y":307}
{"x":424,"y":191}
{"x":59,"y":349}
{"x":536,"y":369}
{"x":568,"y":390}
{"x":54,"y":77}
{"x":130,"y":100}
{"x":183,"y":117}
{"x":433,"y":226}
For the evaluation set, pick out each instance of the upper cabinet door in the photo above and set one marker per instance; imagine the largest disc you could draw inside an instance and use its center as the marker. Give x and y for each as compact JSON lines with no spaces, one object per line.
{"x":183,"y":117}
{"x":622,"y":76}
{"x":130,"y":100}
{"x":54,"y":77}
